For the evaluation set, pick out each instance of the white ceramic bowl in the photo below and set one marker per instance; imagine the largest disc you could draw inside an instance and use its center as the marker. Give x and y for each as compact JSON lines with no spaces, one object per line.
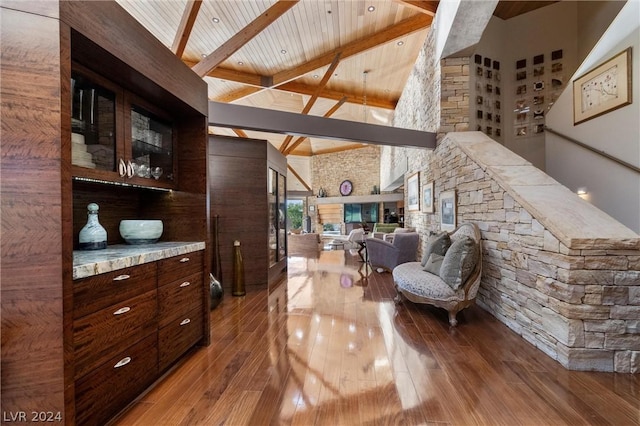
{"x":140,"y":231}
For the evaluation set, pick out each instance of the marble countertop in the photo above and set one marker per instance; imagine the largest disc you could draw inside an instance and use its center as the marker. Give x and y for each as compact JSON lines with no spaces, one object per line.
{"x":93,"y":262}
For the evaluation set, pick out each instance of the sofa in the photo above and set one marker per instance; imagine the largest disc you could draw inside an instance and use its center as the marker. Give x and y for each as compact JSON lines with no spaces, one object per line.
{"x":384,"y":227}
{"x":387,"y":255}
{"x":449,"y":274}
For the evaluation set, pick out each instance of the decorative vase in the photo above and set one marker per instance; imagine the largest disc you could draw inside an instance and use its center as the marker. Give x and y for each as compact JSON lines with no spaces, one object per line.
{"x":215,"y":291}
{"x":93,"y":236}
{"x":238,"y":271}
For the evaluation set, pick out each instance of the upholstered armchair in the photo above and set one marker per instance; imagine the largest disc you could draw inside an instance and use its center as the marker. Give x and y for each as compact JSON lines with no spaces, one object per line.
{"x":450,"y":272}
{"x":386,"y":255}
{"x":350,"y":241}
{"x":389,"y":237}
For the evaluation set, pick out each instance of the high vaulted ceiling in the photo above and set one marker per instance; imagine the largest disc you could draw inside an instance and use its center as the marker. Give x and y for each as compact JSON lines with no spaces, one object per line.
{"x":347,"y":59}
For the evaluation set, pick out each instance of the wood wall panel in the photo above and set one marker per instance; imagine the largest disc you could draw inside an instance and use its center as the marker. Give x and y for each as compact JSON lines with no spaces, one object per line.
{"x":43,"y":211}
{"x":31,"y":183}
{"x":330,"y":213}
{"x":238,"y":193}
{"x":116,"y":203}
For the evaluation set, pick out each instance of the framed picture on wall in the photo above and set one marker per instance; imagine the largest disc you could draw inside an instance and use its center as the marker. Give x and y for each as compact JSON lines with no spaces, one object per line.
{"x":603,"y":89}
{"x":413,"y":192}
{"x":427,"y":197}
{"x":448,"y":210}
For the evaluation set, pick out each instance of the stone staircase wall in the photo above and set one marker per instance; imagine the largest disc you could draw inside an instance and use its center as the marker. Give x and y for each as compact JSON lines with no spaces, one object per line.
{"x":558,"y":271}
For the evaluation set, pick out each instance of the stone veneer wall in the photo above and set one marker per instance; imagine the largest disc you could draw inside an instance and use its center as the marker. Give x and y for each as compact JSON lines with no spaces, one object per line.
{"x":436,"y":96}
{"x":573,"y":294}
{"x":360,"y":166}
{"x":557,"y":271}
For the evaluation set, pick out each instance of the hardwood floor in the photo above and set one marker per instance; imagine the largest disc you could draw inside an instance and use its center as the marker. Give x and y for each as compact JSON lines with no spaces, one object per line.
{"x":329,"y":347}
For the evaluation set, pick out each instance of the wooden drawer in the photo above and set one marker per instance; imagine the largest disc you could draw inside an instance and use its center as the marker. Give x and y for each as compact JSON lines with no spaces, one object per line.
{"x":97,"y":337}
{"x":109,"y":388}
{"x":177,"y":337}
{"x":177,"y":267}
{"x":97,"y":292}
{"x":178,"y":298}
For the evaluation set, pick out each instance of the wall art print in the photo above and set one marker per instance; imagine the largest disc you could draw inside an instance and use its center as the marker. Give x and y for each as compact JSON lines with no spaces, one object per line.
{"x":603,"y":89}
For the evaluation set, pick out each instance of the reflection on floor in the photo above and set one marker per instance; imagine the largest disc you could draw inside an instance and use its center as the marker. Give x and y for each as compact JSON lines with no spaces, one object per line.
{"x":328,"y":346}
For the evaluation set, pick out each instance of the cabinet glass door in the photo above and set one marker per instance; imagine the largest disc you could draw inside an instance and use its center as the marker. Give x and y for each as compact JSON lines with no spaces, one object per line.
{"x":151,"y":146}
{"x":272,"y":188}
{"x":93,"y":125}
{"x":282,"y":216}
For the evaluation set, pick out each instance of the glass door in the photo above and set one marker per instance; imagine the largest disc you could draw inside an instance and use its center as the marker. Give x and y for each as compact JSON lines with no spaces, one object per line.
{"x":282,"y":217}
{"x":151,"y":145}
{"x":93,"y":124}
{"x":272,"y":189}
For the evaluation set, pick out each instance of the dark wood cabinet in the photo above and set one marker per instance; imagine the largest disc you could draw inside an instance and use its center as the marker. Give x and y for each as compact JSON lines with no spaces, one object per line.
{"x":109,"y":387}
{"x":179,"y":335}
{"x":99,"y":335}
{"x":58,"y":354}
{"x":179,"y":282}
{"x":117,"y":136}
{"x":97,"y":292}
{"x":154,"y":307}
{"x":248,"y":196}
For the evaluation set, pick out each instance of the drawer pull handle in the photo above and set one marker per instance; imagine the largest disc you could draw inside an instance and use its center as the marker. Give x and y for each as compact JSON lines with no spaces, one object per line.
{"x":122,"y":311}
{"x":124,"y":361}
{"x":122,"y":277}
{"x":185,"y":284}
{"x":185,"y":321}
{"x":184,"y":260}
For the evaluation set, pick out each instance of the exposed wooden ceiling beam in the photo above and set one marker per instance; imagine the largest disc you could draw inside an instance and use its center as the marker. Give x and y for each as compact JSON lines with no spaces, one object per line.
{"x":335,"y":107}
{"x":298,"y":177}
{"x":236,"y":76}
{"x":329,"y":113}
{"x":353,"y":98}
{"x":238,"y":94}
{"x":339,"y":149}
{"x":232,"y":45}
{"x":186,"y":25}
{"x":240,"y":133}
{"x":408,"y":26}
{"x":325,"y":79}
{"x":428,"y":7}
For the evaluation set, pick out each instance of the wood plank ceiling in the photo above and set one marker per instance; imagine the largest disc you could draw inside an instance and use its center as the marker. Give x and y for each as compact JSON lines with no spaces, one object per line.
{"x":348,"y":59}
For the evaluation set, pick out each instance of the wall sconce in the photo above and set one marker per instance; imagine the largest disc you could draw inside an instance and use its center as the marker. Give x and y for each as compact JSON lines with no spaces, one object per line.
{"x":582,"y":193}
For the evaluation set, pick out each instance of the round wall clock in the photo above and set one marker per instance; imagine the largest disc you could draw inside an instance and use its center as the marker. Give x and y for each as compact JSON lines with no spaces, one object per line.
{"x":346,"y":187}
